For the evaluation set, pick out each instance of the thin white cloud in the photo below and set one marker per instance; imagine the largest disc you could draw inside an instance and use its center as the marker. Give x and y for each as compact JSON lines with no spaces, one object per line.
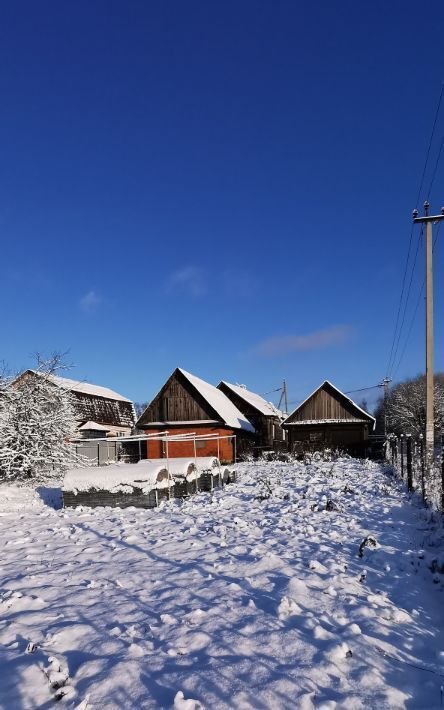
{"x":239,"y":283}
{"x":189,"y":280}
{"x":281,"y":345}
{"x":90,"y":302}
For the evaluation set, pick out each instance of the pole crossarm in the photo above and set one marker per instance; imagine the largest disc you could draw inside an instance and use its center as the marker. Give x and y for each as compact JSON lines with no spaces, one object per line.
{"x":431,"y":218}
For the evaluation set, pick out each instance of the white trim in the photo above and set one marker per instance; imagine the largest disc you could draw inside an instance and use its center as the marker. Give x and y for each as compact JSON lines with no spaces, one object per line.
{"x":312,"y":422}
{"x":327,"y":382}
{"x":192,"y":422}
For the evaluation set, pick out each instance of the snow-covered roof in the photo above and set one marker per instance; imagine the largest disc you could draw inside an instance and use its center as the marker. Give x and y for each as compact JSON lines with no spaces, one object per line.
{"x":219,"y":402}
{"x":85,"y":387}
{"x":93,"y":426}
{"x":254,"y":399}
{"x":327,"y":382}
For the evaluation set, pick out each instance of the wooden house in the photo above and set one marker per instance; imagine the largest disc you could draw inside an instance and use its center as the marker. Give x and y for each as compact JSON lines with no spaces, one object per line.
{"x":99,"y":411}
{"x":264,"y":416}
{"x":185,"y":405}
{"x":328,"y":418}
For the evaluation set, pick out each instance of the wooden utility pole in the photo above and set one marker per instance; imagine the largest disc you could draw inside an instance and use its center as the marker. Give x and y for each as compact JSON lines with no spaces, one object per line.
{"x":385,"y":383}
{"x":283,"y":397}
{"x":428,"y":220}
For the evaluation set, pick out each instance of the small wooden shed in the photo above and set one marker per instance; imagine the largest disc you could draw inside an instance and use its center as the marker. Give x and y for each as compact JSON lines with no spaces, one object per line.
{"x":265,"y":417}
{"x":185,"y":405}
{"x":328,"y":418}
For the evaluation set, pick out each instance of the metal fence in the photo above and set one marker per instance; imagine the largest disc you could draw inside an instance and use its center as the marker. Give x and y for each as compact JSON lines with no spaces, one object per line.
{"x":131,"y":449}
{"x":408,"y":459}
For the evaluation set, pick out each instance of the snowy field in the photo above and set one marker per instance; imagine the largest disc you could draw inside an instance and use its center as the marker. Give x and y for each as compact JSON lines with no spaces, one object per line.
{"x":237,"y":600}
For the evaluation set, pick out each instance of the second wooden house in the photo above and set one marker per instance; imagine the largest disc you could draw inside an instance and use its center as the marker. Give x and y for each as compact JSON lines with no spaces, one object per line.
{"x":264,"y":416}
{"x":328,"y":418}
{"x":186,"y":405}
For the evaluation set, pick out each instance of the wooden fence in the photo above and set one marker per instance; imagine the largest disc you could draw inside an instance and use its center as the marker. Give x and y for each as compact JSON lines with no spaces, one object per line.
{"x":408,"y":459}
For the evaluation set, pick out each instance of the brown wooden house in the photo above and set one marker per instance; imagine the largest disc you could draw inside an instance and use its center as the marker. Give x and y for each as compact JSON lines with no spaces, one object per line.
{"x":99,"y":411}
{"x":328,"y":418}
{"x":264,"y":416}
{"x":185,"y":405}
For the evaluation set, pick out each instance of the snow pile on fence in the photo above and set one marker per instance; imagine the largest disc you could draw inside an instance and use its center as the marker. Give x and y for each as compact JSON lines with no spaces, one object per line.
{"x":120,"y":478}
{"x":182,"y":467}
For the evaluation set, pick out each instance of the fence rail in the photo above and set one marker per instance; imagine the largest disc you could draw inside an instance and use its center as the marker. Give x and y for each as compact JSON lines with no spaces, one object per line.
{"x":408,"y":459}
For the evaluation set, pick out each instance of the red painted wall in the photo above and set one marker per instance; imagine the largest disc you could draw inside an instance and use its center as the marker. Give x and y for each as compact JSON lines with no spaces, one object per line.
{"x":176,"y":449}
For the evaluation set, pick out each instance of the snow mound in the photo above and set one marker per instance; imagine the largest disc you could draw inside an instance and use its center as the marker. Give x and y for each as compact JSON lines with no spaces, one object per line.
{"x":119,"y":478}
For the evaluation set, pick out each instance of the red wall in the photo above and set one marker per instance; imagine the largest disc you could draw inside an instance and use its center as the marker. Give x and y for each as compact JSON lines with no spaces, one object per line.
{"x":176,"y":449}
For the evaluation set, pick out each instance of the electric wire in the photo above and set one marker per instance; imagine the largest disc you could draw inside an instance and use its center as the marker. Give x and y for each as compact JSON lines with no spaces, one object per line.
{"x":432,"y":134}
{"x":395,"y":352}
{"x":412,"y":322}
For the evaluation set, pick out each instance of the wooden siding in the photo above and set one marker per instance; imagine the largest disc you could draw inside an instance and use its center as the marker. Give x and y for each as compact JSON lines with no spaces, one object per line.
{"x":268,"y":427}
{"x":177,"y":402}
{"x":327,"y":404}
{"x":103,"y":411}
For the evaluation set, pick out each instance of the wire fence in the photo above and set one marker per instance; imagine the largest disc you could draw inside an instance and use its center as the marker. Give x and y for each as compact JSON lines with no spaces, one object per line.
{"x":407,"y":456}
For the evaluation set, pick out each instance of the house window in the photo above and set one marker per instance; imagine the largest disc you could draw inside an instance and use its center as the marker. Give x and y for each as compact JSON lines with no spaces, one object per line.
{"x":316,"y":436}
{"x":200,"y":444}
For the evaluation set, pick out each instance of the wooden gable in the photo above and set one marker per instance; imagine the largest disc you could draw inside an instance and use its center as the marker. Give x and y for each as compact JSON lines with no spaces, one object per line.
{"x":327,"y":404}
{"x":178,"y":401}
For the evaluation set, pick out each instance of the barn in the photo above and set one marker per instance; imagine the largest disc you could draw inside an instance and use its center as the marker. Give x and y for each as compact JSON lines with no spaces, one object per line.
{"x":328,"y":418}
{"x":99,"y":411}
{"x":264,"y":416}
{"x":185,"y":405}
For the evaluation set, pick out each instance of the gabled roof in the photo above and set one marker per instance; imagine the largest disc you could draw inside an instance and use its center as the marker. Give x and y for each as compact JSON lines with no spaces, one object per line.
{"x":93,"y":426}
{"x":254,"y":399}
{"x":219,"y":401}
{"x":366,"y":415}
{"x":84,"y":387}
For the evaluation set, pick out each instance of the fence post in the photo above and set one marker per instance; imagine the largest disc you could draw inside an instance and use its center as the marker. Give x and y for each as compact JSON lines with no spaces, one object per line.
{"x":98,"y":453}
{"x":401,"y":447}
{"x":442,"y":472}
{"x":409,"y":463}
{"x":421,"y":455}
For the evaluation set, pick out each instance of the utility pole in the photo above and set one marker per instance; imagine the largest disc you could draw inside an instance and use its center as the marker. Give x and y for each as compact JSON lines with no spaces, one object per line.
{"x":428,"y":220}
{"x":283,"y":398}
{"x":385,"y":383}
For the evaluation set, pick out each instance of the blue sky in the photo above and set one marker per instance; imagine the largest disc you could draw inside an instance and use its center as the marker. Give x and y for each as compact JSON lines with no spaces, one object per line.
{"x":225,"y":187}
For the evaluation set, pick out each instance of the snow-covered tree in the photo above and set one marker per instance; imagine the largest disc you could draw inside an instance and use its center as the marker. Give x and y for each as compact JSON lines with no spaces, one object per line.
{"x":36,"y":421}
{"x":406,"y":406}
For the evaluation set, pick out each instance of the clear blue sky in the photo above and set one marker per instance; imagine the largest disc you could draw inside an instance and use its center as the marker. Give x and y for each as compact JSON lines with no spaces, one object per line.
{"x":226,"y":187}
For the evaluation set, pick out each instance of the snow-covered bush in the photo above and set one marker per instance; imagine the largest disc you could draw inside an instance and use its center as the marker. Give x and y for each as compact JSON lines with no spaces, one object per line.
{"x":36,"y":421}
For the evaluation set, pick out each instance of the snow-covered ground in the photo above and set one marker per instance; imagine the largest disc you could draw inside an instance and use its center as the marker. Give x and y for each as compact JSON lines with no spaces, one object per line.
{"x":237,"y":600}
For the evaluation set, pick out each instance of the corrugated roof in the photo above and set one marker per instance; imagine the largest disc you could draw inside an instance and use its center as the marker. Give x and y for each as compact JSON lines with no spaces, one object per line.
{"x":254,"y":399}
{"x":85,"y":387}
{"x":219,"y":402}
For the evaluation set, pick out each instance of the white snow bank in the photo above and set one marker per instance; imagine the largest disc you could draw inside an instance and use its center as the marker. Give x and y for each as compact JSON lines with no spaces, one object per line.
{"x":183,"y":466}
{"x":120,"y":478}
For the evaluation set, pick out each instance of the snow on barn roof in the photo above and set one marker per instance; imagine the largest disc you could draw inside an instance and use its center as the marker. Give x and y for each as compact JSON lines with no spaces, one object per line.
{"x":219,"y":402}
{"x":93,"y":426}
{"x":84,"y":387}
{"x":330,"y":421}
{"x":254,"y":399}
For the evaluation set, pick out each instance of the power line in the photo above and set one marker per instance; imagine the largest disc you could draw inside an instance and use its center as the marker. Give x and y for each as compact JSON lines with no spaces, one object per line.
{"x":432,"y":134}
{"x":421,"y":290}
{"x":395,"y":352}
